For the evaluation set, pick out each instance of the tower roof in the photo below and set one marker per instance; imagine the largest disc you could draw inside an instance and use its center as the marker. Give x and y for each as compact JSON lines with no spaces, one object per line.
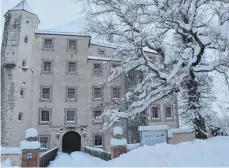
{"x":23,"y":5}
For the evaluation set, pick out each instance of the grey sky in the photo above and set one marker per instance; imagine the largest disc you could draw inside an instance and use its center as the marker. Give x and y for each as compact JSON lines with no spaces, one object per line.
{"x":50,"y":12}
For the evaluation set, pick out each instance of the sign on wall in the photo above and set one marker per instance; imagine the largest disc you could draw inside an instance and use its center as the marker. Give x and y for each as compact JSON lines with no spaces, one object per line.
{"x":153,"y":137}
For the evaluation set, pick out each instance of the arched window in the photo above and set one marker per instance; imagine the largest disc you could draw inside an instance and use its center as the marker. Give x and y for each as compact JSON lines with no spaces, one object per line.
{"x":26,"y":39}
{"x":20,"y":116}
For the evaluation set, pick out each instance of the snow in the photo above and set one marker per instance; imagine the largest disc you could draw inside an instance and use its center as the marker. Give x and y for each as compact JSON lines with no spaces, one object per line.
{"x":117,"y":131}
{"x":76,"y":159}
{"x":202,"y":153}
{"x":179,"y":130}
{"x":118,"y":142}
{"x":95,"y":148}
{"x":133,"y":146}
{"x":7,"y":163}
{"x":31,"y":132}
{"x":8,"y":151}
{"x":30,"y":145}
{"x":153,"y":128}
{"x":103,"y":58}
{"x":23,"y":5}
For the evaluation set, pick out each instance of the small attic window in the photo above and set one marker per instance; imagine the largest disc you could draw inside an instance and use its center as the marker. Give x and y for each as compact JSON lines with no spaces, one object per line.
{"x":26,"y":39}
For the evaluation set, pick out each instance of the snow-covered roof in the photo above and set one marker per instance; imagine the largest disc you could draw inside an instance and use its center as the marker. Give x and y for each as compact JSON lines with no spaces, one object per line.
{"x":117,"y":131}
{"x":179,"y":131}
{"x":118,"y":142}
{"x":23,"y":5}
{"x":31,"y":132}
{"x":30,"y":145}
{"x":153,"y":128}
{"x":10,"y":150}
{"x":103,"y":58}
{"x":79,"y":27}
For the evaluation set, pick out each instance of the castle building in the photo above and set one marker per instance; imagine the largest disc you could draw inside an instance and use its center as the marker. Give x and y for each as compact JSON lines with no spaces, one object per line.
{"x":56,"y":81}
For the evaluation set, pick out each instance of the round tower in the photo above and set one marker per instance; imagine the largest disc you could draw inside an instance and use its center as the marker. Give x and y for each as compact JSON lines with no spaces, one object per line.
{"x":17,"y":72}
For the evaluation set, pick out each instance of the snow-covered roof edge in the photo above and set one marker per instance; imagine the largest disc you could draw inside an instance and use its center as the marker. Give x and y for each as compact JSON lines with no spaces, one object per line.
{"x":23,"y":5}
{"x":153,"y":128}
{"x":99,"y":58}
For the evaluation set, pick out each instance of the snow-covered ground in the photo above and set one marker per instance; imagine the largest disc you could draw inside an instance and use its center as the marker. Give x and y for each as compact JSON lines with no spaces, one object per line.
{"x":211,"y":152}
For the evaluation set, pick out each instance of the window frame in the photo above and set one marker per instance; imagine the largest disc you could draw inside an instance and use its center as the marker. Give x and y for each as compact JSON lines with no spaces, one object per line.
{"x":41,"y":93}
{"x":95,"y":73}
{"x":48,"y":142}
{"x":94,"y":121}
{"x":22,"y":116}
{"x":51,"y":67}
{"x":67,"y":67}
{"x":40,"y":116}
{"x":68,"y":45}
{"x":26,"y":39}
{"x":93,"y":93}
{"x":66,"y":110}
{"x":101,"y":50}
{"x":151,"y":112}
{"x":22,"y":90}
{"x":102,"y":140}
{"x":66,"y":93}
{"x":168,"y":118}
{"x":112,"y":92}
{"x":44,"y":46}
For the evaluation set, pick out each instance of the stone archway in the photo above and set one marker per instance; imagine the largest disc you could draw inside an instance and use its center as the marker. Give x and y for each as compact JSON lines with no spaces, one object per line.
{"x":71,"y":142}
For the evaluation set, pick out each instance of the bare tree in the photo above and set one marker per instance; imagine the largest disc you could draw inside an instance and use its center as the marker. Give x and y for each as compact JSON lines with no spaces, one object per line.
{"x":183,"y":33}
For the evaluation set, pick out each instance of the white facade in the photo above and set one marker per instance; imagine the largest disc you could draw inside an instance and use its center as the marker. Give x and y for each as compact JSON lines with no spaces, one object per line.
{"x":23,"y":102}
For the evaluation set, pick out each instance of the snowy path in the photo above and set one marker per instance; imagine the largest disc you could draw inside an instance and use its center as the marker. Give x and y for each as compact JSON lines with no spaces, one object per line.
{"x":198,"y":153}
{"x":76,"y":159}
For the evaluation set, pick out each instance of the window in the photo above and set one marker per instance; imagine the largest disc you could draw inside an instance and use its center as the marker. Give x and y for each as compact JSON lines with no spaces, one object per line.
{"x":168,"y":112}
{"x":97,"y":113}
{"x":101,"y":52}
{"x":97,"y":69}
{"x":97,"y":93}
{"x":46,"y":93}
{"x":72,"y":44}
{"x":44,"y":141}
{"x":71,"y":93}
{"x":26,"y":39}
{"x":116,"y":93}
{"x":48,"y":43}
{"x":70,"y":116}
{"x":98,"y":140}
{"x":45,"y":115}
{"x":71,"y":67}
{"x":20,"y":116}
{"x":23,"y":64}
{"x":115,"y":66}
{"x":47,"y":66}
{"x":22,"y":92}
{"x":155,"y":112}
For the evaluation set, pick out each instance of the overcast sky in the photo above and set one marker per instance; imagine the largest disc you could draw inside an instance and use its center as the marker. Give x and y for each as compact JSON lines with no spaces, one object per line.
{"x":50,"y":12}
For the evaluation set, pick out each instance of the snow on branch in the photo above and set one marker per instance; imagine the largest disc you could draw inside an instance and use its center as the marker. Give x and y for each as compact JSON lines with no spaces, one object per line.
{"x":179,"y":34}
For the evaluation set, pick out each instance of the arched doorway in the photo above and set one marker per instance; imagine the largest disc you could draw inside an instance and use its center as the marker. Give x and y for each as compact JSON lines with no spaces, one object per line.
{"x":71,"y":142}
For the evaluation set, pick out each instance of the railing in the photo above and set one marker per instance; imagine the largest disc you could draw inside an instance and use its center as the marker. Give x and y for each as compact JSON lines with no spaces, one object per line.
{"x":48,"y":156}
{"x":99,"y":154}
